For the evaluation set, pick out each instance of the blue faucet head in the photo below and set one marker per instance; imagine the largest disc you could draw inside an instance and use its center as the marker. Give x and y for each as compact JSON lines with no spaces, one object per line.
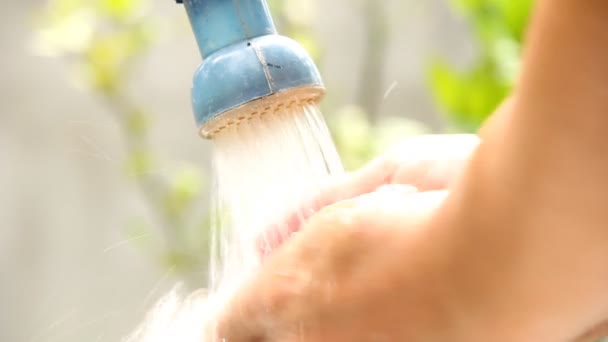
{"x":269,"y":69}
{"x":248,"y":69}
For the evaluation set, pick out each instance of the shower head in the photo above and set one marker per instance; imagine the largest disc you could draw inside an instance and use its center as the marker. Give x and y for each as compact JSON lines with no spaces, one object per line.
{"x":248,"y":69}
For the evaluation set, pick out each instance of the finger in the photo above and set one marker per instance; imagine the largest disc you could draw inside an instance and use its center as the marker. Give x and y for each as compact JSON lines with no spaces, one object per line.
{"x":277,"y":235}
{"x":430,"y":162}
{"x":410,"y":162}
{"x":427,"y":163}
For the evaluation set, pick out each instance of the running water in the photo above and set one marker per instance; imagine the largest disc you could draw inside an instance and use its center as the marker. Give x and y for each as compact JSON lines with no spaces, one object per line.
{"x":264,"y":169}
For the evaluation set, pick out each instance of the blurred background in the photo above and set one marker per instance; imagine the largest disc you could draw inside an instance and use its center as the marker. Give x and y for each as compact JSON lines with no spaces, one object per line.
{"x":103,"y":179}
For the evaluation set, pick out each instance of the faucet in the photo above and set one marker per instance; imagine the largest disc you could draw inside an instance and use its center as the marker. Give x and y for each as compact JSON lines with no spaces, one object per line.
{"x":248,"y":68}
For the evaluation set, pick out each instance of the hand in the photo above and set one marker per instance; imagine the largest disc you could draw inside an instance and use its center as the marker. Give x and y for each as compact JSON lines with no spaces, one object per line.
{"x":366,"y":268}
{"x":423,"y":163}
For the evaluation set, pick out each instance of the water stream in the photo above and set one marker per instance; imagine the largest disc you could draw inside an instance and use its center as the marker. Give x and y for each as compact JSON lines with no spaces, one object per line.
{"x":264,"y":170}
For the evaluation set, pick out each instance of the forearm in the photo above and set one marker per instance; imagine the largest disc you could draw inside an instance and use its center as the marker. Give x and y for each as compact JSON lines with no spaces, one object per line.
{"x":533,"y":202}
{"x":555,"y":141}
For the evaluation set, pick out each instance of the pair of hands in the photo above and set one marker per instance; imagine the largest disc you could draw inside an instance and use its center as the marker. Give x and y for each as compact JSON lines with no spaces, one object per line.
{"x":361,"y":268}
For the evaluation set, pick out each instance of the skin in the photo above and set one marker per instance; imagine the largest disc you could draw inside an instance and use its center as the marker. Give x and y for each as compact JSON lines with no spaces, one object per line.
{"x":517,"y":250}
{"x":421,"y":163}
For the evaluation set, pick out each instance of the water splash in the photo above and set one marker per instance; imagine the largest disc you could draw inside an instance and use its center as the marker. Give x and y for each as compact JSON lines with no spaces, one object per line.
{"x":264,"y":169}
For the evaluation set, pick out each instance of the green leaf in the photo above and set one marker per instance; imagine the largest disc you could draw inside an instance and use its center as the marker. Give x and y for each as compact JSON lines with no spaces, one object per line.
{"x":447,"y":87}
{"x":139,"y":164}
{"x":107,"y":59}
{"x":469,"y":96}
{"x":187,"y":183}
{"x":185,"y":187}
{"x":517,"y":15}
{"x":120,"y":9}
{"x":137,"y":124}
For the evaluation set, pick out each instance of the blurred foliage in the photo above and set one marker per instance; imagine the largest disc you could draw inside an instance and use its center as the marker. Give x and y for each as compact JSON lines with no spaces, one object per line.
{"x":470,"y":96}
{"x":102,"y":41}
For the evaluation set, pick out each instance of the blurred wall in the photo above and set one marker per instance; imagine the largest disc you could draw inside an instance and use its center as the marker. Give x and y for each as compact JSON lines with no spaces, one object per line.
{"x":66,"y":271}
